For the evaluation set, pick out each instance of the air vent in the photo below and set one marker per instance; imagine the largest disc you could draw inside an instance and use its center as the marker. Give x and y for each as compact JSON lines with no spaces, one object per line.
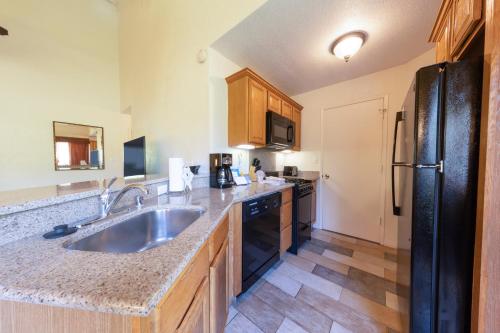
{"x":3,"y":32}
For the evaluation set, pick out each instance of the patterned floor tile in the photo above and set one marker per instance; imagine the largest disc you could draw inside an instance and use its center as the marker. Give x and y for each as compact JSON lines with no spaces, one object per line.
{"x":241,"y":324}
{"x":289,"y":326}
{"x":261,"y":314}
{"x":309,"y":318}
{"x":332,"y":247}
{"x":311,"y":280}
{"x":340,"y":313}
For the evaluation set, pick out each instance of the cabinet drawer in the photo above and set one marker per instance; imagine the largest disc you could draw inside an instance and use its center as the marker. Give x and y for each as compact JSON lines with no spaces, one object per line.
{"x":218,"y":237}
{"x":286,"y":215}
{"x":286,"y":196}
{"x":286,"y":239}
{"x":174,"y":306}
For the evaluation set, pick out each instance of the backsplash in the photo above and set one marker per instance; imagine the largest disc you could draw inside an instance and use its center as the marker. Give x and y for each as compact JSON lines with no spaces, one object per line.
{"x":267,"y":158}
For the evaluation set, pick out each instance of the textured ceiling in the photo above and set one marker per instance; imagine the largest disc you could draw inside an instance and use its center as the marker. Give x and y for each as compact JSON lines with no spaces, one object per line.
{"x":288,"y":41}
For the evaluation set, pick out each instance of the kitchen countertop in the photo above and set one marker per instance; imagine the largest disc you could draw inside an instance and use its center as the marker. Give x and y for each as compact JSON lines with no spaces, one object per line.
{"x":30,"y":198}
{"x":41,"y":271}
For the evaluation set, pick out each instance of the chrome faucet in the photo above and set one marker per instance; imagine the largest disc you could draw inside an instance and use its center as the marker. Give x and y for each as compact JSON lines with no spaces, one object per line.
{"x":107,"y":206}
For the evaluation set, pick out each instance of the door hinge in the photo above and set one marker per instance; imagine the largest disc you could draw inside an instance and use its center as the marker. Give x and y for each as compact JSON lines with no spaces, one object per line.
{"x":380,"y":220}
{"x":382,"y":112}
{"x":381,"y":168}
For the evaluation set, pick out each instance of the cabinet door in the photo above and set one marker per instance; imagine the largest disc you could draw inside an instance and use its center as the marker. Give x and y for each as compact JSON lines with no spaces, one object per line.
{"x":219,"y":290}
{"x":466,"y":15}
{"x":286,"y":110}
{"x":297,"y":120}
{"x":257,"y":113}
{"x":443,"y":50}
{"x":197,"y":319}
{"x":273,"y":102}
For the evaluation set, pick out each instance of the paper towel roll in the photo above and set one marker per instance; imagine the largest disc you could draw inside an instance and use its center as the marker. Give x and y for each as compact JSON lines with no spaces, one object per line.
{"x":175,"y":181}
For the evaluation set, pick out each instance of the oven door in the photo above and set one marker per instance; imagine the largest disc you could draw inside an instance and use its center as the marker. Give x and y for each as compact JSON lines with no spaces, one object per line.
{"x":304,"y":217}
{"x":280,"y":131}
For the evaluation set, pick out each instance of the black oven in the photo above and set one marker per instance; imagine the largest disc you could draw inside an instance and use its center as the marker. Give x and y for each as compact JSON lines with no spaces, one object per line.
{"x":260,"y":237}
{"x":280,"y":131}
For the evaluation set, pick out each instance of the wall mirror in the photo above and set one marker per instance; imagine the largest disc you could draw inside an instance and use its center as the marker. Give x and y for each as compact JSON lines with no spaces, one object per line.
{"x":78,"y":147}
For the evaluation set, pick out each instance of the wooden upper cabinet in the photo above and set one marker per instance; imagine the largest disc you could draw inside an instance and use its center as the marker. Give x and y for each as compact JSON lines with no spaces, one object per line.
{"x":273,"y":102}
{"x":286,"y":110}
{"x":257,"y":113}
{"x":249,"y":98}
{"x":466,"y":15}
{"x":298,"y":130}
{"x":443,"y":52}
{"x":457,"y":25}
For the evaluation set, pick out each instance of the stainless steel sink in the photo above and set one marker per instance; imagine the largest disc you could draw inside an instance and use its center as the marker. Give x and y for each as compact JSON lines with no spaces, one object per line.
{"x":140,"y":233}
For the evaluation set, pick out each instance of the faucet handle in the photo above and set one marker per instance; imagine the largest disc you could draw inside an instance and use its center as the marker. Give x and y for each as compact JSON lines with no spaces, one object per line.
{"x":111,"y":182}
{"x":108,"y":185}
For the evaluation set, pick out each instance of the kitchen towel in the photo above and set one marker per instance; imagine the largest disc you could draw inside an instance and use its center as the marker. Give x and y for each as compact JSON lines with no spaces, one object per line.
{"x":175,"y":180}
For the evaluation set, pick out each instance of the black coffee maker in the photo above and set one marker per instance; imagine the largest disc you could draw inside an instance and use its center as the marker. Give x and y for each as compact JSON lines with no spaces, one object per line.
{"x":220,"y":170}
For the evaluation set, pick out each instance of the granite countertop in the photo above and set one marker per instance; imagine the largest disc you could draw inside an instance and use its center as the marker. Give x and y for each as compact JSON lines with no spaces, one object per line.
{"x":30,"y":198}
{"x":41,"y":271}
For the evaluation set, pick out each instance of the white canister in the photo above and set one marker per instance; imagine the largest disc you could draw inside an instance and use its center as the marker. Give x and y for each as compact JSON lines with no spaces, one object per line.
{"x":175,"y":179}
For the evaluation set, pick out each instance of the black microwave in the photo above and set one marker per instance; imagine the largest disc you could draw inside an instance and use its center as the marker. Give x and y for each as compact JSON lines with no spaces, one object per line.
{"x":280,"y":131}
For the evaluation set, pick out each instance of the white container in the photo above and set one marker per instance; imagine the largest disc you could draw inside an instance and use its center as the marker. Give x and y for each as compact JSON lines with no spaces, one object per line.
{"x":175,"y":179}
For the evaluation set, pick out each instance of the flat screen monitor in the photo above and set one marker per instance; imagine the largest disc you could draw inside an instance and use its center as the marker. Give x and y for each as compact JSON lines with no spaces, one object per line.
{"x":135,"y":157}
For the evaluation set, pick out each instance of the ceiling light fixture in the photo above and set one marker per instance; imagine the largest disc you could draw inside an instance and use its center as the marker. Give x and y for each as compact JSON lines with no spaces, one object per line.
{"x":348,"y":44}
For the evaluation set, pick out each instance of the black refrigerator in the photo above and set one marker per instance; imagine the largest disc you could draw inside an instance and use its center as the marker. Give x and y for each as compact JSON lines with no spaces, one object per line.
{"x":434,"y":188}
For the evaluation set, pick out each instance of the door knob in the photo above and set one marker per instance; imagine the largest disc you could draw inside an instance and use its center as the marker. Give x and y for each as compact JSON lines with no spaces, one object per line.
{"x":326,"y":176}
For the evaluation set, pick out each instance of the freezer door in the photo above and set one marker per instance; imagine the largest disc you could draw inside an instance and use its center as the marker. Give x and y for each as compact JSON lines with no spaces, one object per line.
{"x":462,"y":105}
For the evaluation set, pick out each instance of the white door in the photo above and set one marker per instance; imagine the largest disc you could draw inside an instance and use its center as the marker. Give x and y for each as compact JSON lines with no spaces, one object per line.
{"x":352,"y":196}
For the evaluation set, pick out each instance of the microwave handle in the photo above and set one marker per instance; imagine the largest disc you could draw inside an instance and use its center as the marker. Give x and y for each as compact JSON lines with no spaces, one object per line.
{"x":289,"y":134}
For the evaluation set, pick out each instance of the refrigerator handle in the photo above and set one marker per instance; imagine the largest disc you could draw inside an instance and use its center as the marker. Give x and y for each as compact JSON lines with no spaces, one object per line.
{"x":396,"y":210}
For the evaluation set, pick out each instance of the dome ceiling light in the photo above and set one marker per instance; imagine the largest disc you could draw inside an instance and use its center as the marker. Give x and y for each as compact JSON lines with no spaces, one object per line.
{"x":348,"y":44}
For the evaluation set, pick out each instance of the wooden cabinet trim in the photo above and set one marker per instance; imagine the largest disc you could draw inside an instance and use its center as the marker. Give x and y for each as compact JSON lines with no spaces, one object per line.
{"x":297,"y":118}
{"x":443,"y":11}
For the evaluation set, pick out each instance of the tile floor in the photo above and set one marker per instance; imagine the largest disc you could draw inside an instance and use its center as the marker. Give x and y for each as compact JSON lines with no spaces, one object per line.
{"x":335,"y":284}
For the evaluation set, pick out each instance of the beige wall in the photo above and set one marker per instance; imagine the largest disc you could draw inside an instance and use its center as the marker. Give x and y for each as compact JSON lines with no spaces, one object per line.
{"x":393,"y":82}
{"x":60,"y":62}
{"x":219,"y":67}
{"x":162,"y":83}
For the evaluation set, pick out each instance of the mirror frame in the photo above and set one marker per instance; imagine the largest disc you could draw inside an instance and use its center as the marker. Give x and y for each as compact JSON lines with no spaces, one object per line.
{"x":54,"y":141}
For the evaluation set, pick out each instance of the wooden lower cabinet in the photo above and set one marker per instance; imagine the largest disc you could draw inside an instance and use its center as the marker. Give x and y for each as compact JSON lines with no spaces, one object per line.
{"x":219,"y":290}
{"x":197,"y":317}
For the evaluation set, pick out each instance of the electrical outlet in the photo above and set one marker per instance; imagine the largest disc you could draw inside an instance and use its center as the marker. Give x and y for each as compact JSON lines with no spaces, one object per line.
{"x":162,"y":189}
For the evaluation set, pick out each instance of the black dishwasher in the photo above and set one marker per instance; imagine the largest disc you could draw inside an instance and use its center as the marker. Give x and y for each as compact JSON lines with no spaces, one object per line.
{"x":261,"y":237}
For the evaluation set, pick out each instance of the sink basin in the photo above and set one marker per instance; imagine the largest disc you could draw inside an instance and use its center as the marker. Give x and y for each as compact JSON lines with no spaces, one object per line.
{"x":139,"y":233}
